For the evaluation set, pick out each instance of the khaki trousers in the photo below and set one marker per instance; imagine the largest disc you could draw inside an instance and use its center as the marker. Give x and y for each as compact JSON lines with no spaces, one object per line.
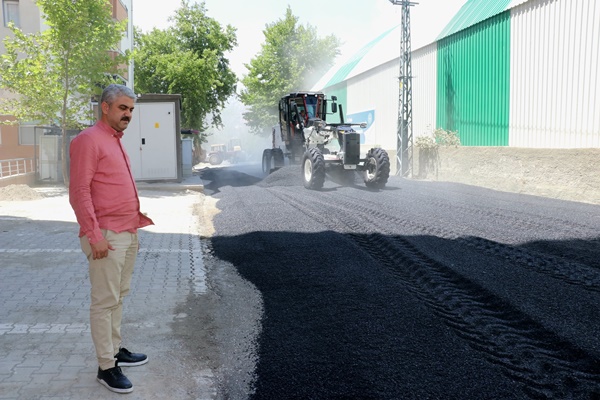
{"x":110,"y":278}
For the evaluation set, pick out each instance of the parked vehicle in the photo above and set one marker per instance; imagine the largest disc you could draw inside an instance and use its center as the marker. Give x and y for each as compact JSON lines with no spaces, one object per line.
{"x":222,"y":152}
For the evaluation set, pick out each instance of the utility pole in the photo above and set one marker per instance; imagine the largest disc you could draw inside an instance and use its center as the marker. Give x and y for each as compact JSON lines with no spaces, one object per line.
{"x":404,"y":146}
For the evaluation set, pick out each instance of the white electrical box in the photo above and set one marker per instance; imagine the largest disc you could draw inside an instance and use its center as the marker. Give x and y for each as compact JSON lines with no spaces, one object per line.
{"x":152,"y":140}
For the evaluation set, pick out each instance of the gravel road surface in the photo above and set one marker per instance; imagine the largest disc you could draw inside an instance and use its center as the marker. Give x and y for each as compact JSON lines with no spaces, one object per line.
{"x":422,"y":290}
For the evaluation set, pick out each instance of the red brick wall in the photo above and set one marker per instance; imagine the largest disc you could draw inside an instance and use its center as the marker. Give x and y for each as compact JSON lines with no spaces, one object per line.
{"x":119,"y":10}
{"x":9,"y":145}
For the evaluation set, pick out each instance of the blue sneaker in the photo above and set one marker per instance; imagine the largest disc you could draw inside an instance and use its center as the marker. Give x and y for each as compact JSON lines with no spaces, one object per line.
{"x":125,"y":358}
{"x":114,"y":380}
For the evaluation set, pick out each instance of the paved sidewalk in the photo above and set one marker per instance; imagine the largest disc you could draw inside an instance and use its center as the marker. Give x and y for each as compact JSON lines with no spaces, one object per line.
{"x":46,"y":351}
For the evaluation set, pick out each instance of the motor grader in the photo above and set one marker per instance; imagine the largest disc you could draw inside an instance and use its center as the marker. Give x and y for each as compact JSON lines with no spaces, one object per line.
{"x":303,"y":135}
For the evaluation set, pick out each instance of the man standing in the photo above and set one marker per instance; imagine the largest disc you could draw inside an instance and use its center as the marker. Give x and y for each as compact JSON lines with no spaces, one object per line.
{"x":104,"y":197}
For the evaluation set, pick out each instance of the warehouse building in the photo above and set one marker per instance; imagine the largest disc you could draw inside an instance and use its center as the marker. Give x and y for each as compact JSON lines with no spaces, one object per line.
{"x":502,"y":73}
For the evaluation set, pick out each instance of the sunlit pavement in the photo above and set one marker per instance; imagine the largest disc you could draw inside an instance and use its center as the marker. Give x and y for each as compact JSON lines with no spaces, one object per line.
{"x":45,"y":344}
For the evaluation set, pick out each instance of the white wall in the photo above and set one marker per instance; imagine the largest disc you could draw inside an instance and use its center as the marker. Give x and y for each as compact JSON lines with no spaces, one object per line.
{"x":554,"y":74}
{"x":127,"y":41}
{"x":424,"y":71}
{"x":377,"y":90}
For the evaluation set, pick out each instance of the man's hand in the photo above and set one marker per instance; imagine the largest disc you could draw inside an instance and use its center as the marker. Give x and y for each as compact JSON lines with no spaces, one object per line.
{"x":100,"y":249}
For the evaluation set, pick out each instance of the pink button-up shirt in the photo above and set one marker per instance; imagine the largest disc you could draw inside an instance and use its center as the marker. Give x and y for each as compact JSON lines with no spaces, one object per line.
{"x":102,"y":191}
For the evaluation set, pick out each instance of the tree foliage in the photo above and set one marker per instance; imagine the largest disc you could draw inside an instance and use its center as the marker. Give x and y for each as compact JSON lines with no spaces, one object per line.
{"x":53,"y":74}
{"x":292,"y":58}
{"x":188,"y":59}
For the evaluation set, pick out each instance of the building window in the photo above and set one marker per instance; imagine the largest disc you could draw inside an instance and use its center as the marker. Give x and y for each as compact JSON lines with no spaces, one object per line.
{"x":26,"y":135}
{"x":10,"y":8}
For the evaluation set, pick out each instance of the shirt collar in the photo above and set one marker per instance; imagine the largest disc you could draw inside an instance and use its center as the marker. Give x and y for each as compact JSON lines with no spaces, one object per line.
{"x":108,"y":129}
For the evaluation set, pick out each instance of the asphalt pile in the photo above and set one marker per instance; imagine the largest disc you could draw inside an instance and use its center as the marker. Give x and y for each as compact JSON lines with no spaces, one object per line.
{"x":286,"y":176}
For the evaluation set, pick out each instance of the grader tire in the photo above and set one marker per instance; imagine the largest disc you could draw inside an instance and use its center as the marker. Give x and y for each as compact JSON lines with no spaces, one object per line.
{"x":278,"y":158}
{"x":377,"y":169}
{"x":313,"y":169}
{"x":266,"y":161}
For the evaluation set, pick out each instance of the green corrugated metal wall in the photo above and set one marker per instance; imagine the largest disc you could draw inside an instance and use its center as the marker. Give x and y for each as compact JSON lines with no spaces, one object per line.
{"x":473,"y":82}
{"x":473,"y":12}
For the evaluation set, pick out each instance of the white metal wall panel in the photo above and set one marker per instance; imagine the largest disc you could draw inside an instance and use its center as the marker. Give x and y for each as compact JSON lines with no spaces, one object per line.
{"x":386,"y":49}
{"x":377,"y":90}
{"x":554,"y":74}
{"x":515,"y":3}
{"x":424,"y":71}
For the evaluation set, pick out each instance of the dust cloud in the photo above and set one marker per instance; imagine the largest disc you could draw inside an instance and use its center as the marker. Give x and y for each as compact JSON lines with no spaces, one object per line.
{"x":236,"y":132}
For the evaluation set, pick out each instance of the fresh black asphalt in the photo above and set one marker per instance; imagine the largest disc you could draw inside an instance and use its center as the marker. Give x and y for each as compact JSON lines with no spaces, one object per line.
{"x":422,"y":290}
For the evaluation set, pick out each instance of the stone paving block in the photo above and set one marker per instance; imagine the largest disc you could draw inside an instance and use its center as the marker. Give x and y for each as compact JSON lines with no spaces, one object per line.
{"x":11,"y":304}
{"x":87,"y":381}
{"x":58,"y":328}
{"x":49,"y":366}
{"x":67,"y":348}
{"x":18,"y":329}
{"x":31,"y":360}
{"x":76,"y":360}
{"x":10,"y":390}
{"x":35,"y":390}
{"x":20,"y":296}
{"x":22,"y":374}
{"x":6,"y":367}
{"x":39,"y":328}
{"x":70,"y":373}
{"x":11,"y":355}
{"x":48,"y":310}
{"x":77,"y":328}
{"x":54,"y":387}
{"x":39,"y":379}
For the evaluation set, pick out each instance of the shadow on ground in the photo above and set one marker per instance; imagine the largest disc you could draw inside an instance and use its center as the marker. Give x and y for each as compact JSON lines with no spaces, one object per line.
{"x":375,"y":316}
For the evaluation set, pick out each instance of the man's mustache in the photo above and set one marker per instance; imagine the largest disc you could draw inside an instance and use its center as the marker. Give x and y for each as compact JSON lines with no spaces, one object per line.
{"x":126,"y":119}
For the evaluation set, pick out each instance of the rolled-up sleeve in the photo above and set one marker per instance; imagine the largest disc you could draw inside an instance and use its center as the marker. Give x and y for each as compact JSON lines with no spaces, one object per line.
{"x":84,"y":157}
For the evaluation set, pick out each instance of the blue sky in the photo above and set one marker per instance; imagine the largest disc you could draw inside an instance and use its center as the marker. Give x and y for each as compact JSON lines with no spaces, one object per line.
{"x":355,"y":22}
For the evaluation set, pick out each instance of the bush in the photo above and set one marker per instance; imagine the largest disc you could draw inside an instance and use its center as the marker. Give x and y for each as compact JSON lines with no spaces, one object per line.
{"x":425,"y":142}
{"x":446,"y":138}
{"x":438,"y":138}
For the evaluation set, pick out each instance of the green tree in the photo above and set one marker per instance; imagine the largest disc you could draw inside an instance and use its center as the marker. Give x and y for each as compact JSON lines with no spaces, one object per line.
{"x":188,"y":59}
{"x":53,"y":74}
{"x":292,"y":58}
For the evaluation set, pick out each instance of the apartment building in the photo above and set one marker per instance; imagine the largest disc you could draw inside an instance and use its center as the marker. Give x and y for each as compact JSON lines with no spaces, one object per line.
{"x":19,"y":144}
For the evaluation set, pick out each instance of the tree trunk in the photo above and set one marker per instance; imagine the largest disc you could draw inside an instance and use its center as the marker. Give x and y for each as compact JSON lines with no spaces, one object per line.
{"x":65,"y":135}
{"x":64,"y":156}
